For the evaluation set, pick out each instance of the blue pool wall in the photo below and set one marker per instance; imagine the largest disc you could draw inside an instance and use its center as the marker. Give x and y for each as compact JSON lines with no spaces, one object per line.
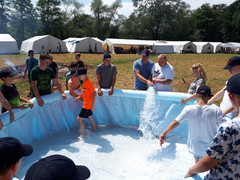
{"x":120,"y":109}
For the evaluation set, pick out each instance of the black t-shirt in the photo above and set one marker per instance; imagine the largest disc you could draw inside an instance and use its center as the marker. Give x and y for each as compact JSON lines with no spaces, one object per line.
{"x":54,"y":67}
{"x":11,"y":95}
{"x":80,"y":63}
{"x":43,"y":79}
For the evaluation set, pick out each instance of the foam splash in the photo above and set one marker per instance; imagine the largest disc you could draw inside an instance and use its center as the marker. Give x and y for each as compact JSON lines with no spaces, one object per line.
{"x":149,"y":116}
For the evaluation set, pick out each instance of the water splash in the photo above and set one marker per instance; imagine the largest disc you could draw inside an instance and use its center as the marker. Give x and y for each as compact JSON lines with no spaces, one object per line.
{"x":149,"y":116}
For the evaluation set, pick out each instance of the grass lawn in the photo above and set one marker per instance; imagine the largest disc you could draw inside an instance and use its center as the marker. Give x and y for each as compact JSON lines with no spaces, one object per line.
{"x":212,"y":63}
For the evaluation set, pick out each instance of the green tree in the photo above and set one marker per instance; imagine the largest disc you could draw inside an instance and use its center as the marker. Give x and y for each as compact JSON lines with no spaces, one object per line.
{"x":232,"y":22}
{"x":156,"y":19}
{"x":23,"y":21}
{"x":50,"y":17}
{"x":71,"y":15}
{"x":4,"y":15}
{"x":106,"y":18}
{"x":208,"y":23}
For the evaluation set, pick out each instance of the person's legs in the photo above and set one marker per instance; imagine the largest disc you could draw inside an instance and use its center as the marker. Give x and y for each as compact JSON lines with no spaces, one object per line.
{"x":92,"y":122}
{"x":82,"y":127}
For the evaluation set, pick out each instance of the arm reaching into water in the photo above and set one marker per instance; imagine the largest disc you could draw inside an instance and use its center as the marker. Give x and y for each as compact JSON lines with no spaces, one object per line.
{"x":171,"y":126}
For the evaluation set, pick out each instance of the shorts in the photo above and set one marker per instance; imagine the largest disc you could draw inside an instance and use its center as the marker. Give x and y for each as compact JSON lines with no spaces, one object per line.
{"x":197,"y":157}
{"x":85,"y":113}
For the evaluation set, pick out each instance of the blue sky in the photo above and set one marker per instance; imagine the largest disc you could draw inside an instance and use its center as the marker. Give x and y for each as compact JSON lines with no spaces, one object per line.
{"x":128,"y":7}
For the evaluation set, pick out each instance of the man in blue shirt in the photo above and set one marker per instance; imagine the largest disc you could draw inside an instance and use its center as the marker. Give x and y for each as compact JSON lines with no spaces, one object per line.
{"x":31,"y":62}
{"x":142,"y":71}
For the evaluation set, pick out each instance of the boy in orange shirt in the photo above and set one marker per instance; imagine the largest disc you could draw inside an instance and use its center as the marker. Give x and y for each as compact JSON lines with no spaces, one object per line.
{"x":88,"y":96}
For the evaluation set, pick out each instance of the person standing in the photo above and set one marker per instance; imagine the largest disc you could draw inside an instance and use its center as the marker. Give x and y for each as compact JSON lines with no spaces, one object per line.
{"x":200,"y":79}
{"x":8,"y":107}
{"x":41,"y":77}
{"x":142,"y":71}
{"x":106,"y":75}
{"x":202,"y":123}
{"x":88,"y":97}
{"x":31,"y":62}
{"x":233,"y":66}
{"x":223,"y":155}
{"x":162,"y":74}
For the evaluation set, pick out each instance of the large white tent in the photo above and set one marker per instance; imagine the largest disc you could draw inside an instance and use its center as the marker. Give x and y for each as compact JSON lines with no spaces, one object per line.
{"x":216,"y":46}
{"x":162,"y":47}
{"x":231,"y":47}
{"x":8,"y":44}
{"x":126,"y":45}
{"x":183,"y":46}
{"x":85,"y":44}
{"x":204,"y":47}
{"x":45,"y":43}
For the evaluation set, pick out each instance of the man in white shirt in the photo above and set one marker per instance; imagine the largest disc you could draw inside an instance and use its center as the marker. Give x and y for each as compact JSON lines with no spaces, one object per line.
{"x":223,"y":155}
{"x":162,"y":74}
{"x":202,"y":123}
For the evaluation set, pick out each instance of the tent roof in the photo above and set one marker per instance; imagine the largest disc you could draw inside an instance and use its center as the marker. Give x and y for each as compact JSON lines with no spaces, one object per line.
{"x":200,"y":43}
{"x":6,"y":38}
{"x":35,"y":38}
{"x":73,"y":39}
{"x":131,"y":41}
{"x":178,"y":42}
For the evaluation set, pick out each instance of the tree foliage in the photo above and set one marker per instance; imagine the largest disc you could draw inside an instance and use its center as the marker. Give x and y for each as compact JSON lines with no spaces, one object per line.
{"x":151,"y":19}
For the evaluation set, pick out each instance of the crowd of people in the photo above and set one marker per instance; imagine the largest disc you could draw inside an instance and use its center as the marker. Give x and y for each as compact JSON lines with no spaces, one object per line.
{"x":213,"y":149}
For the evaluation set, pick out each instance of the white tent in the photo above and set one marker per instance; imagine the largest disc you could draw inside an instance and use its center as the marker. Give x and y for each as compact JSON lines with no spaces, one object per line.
{"x":163,"y":47}
{"x":126,"y":45}
{"x":204,"y":47}
{"x":45,"y":43}
{"x":183,"y":46}
{"x":86,"y":44}
{"x":8,"y":44}
{"x":231,"y":47}
{"x":216,"y":46}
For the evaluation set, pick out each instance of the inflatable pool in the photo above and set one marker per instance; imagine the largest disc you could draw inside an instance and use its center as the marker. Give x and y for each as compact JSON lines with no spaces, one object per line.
{"x":118,"y":144}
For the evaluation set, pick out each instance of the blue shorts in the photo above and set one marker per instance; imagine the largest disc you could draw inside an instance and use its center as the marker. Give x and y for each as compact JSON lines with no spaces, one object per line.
{"x":197,"y":157}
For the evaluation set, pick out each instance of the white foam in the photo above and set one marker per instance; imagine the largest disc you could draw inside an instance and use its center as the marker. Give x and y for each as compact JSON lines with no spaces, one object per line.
{"x":149,"y":116}
{"x":117,"y":153}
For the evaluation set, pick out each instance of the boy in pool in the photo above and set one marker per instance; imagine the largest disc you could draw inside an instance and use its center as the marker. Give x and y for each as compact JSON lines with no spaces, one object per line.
{"x":88,"y":96}
{"x":73,"y":65}
{"x":10,"y":92}
{"x":74,"y":82}
{"x":202,"y":123}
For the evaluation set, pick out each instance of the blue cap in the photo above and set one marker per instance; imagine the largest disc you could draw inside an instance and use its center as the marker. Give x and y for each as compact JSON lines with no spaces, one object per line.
{"x":204,"y":90}
{"x":233,"y":84}
{"x":75,"y":72}
{"x":145,"y":52}
{"x":7,"y":73}
{"x":232,"y":62}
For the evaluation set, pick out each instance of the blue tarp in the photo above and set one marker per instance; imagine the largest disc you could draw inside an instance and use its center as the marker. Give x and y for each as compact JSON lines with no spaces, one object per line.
{"x":120,"y":109}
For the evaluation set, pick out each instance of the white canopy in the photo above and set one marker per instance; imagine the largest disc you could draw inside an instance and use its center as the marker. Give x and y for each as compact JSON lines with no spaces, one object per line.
{"x":163,"y":47}
{"x":204,"y":47}
{"x":183,"y":46}
{"x":45,"y":43}
{"x":85,"y":44}
{"x":125,"y":45}
{"x":8,"y":44}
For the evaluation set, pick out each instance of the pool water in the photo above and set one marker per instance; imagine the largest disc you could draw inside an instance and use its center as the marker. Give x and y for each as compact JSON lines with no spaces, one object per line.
{"x":114,"y":153}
